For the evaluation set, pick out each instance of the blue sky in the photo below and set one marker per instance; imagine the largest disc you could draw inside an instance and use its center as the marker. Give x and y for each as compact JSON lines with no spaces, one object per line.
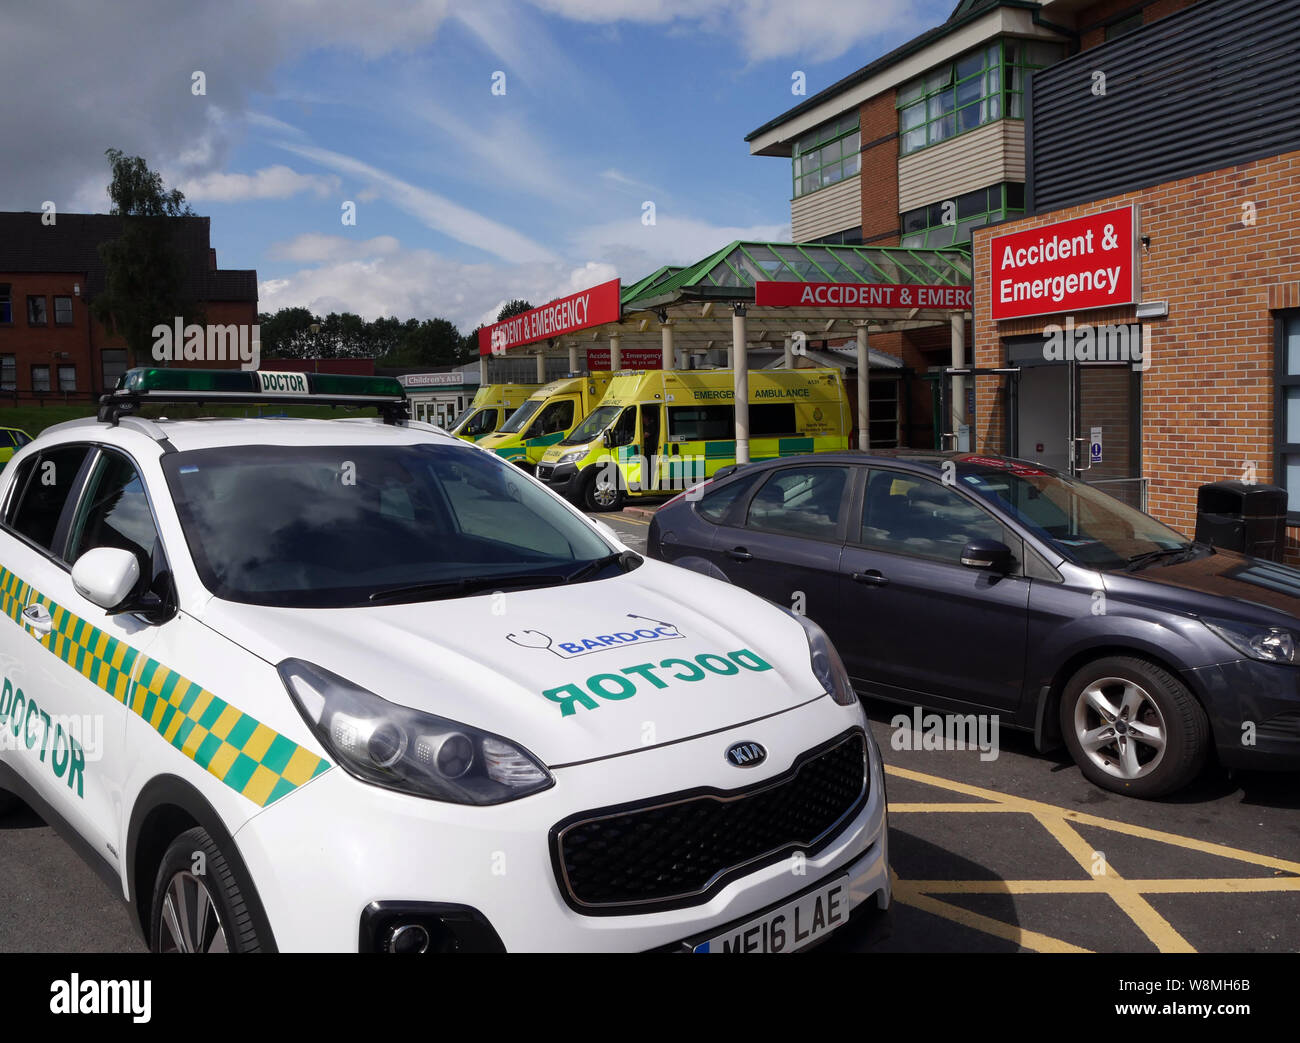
{"x":463,"y":198}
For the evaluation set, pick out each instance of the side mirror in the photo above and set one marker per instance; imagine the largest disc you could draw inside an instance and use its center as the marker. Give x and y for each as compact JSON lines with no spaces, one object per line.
{"x":607,"y":439}
{"x":986,"y":554}
{"x":106,"y":576}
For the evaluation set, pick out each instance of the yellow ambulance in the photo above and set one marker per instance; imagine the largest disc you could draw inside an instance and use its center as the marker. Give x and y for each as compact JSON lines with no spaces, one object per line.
{"x":548,"y":415}
{"x":492,"y":404}
{"x":662,"y":431}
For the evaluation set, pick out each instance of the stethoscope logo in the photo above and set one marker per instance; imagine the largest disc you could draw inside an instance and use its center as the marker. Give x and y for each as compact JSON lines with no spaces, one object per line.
{"x":661,"y":631}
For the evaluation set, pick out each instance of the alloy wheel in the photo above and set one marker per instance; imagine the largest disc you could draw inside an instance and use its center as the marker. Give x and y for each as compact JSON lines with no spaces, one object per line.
{"x":190,"y":921}
{"x":1120,"y":728}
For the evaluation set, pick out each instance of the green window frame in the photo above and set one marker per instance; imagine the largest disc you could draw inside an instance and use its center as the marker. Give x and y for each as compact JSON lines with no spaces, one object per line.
{"x":980,"y":87}
{"x":826,"y":155}
{"x":925,"y":228}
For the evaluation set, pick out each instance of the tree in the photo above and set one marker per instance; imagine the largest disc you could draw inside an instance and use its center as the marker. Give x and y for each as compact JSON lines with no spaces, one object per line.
{"x":144,"y":279}
{"x":512,"y":308}
{"x":287,"y":333}
{"x":433,"y":342}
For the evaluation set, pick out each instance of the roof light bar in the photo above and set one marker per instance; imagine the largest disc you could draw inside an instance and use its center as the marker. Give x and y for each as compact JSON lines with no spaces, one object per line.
{"x":146,"y":384}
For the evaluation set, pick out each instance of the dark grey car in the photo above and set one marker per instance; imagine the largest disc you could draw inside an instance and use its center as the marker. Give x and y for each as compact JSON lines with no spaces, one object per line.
{"x":992,"y":585}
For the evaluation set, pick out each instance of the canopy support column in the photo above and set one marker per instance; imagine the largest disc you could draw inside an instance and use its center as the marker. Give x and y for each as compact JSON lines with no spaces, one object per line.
{"x":958,"y":418}
{"x":573,"y":357}
{"x":615,"y":352}
{"x":787,"y":357}
{"x":669,"y":355}
{"x":740,"y":373}
{"x":541,"y":367}
{"x":864,"y":388}
{"x":482,"y":370}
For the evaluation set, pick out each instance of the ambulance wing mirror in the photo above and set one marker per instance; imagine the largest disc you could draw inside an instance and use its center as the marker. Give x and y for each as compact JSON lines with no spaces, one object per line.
{"x":106,"y":576}
{"x":607,"y":439}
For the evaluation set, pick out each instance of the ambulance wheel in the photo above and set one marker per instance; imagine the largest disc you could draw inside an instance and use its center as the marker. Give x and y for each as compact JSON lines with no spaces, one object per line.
{"x":198,"y":905}
{"x":600,"y":491}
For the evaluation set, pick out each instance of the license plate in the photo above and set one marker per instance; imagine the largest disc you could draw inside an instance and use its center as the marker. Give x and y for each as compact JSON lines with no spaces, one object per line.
{"x":790,"y":927}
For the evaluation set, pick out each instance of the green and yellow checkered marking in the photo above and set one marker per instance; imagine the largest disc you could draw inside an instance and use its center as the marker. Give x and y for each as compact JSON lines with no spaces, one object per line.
{"x":238,"y":749}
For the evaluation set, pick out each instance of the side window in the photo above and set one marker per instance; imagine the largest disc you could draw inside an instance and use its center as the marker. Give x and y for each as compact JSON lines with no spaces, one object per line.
{"x":716,"y":502}
{"x":769,"y":419}
{"x":801,"y":501}
{"x":558,"y":416}
{"x":624,"y":427}
{"x":115,"y":513}
{"x":701,"y":423}
{"x":40,"y":491}
{"x":907,"y":514}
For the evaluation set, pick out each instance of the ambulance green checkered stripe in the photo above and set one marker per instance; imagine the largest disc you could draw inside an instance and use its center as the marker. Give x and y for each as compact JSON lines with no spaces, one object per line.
{"x":233,"y":746}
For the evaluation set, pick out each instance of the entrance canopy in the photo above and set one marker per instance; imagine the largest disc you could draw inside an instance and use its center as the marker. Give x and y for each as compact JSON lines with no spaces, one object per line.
{"x":697,"y":299}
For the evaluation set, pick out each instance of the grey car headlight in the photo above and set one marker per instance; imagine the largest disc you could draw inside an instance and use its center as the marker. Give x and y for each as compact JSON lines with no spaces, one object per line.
{"x":403,"y":749}
{"x":827,"y":666}
{"x":571,"y":458}
{"x":1267,"y":644}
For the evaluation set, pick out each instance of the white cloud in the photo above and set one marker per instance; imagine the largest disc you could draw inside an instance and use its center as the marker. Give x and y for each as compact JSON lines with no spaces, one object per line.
{"x":431,"y":209}
{"x":818,"y":30}
{"x":314,"y":248}
{"x":635,"y":249}
{"x":274,"y":182}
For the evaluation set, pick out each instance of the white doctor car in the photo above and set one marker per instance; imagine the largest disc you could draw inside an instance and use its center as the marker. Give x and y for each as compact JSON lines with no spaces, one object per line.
{"x":358,"y":685}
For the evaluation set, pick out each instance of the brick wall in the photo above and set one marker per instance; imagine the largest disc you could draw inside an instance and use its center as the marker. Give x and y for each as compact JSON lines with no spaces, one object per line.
{"x":49,"y":345}
{"x":1092,"y":30}
{"x":1207,"y":393}
{"x":878,"y":131}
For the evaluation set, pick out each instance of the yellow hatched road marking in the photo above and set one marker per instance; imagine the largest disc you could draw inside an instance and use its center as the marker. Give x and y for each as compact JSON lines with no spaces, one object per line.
{"x":1127,"y":894}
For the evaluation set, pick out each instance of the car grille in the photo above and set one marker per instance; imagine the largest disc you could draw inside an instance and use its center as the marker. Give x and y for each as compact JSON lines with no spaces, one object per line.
{"x":680,"y":851}
{"x":544,"y":470}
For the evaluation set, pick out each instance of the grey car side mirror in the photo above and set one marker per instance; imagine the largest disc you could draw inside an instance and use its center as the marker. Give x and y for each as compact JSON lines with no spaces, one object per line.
{"x":986,"y":554}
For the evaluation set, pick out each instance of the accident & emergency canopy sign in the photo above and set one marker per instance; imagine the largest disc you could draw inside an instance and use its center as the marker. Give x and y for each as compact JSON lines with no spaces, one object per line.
{"x":578,"y":311}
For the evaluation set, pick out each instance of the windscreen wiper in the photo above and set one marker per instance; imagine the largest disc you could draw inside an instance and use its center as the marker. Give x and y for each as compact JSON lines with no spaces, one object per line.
{"x":468,"y":585}
{"x":628,"y":559}
{"x":1141,"y":561}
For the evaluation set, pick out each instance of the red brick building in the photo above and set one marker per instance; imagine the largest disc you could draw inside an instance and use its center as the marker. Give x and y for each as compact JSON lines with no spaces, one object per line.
{"x":1194,"y":132}
{"x":50,"y":347}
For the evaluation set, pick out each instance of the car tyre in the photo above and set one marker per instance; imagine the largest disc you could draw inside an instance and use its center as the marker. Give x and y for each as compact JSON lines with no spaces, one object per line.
{"x":194,"y":887}
{"x":1133,"y":727}
{"x":599,"y":492}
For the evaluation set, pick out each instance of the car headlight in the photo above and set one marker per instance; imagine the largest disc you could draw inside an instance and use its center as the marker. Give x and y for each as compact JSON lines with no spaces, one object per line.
{"x":827,"y":666}
{"x":571,"y":458}
{"x":407,"y":750}
{"x":1269,"y":644}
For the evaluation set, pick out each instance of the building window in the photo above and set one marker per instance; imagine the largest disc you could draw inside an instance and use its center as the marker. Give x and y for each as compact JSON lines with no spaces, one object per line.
{"x":1124,"y":26}
{"x":949,"y":222}
{"x":848,"y":237}
{"x":826,"y":155}
{"x":36,"y":311}
{"x":67,"y":378}
{"x":6,"y":303}
{"x":978,"y":88}
{"x":40,"y":378}
{"x":63,"y":311}
{"x":1286,"y":428}
{"x":8,"y":372}
{"x":113,"y":364}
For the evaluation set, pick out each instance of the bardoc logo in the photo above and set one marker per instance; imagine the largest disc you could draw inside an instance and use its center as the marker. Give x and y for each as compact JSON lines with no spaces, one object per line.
{"x":211,"y":343}
{"x":580,"y":646}
{"x":953,"y":731}
{"x":92,"y":996}
{"x":1124,"y":343}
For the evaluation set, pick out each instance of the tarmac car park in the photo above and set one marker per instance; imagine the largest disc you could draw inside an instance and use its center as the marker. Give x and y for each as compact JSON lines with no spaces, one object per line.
{"x":350,"y":671}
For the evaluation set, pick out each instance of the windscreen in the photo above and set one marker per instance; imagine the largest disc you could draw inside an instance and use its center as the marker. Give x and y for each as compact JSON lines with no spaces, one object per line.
{"x":337,"y":526}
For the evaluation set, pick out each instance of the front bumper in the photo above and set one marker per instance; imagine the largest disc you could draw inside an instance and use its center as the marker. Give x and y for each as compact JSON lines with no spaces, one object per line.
{"x":562,"y":478}
{"x":322,"y":856}
{"x":1254,"y":711}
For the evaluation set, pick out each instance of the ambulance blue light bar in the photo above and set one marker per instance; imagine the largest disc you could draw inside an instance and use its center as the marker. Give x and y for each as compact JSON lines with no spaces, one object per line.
{"x":146,"y":384}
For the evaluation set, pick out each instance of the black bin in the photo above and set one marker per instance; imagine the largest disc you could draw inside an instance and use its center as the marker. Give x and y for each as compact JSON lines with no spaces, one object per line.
{"x":1246,"y":518}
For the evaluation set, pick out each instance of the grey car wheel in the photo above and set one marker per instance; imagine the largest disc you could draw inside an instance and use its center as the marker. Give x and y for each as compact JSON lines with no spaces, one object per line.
{"x":199,"y":904}
{"x":1133,"y":727}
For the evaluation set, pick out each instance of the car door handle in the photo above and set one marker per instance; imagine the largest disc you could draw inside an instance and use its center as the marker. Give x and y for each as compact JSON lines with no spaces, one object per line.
{"x":37,"y":617}
{"x":871,"y":578}
{"x":739,"y":554}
